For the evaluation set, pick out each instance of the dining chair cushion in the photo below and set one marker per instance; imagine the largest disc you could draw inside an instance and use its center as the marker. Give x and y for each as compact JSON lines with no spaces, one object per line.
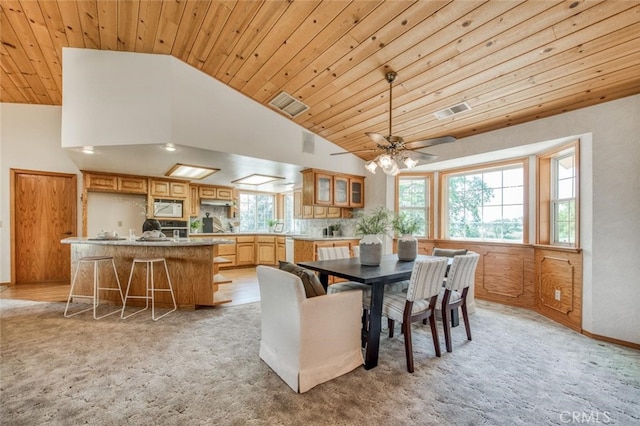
{"x":394,"y":303}
{"x":349,"y":285}
{"x":455,"y":296}
{"x":311,"y":283}
{"x":447,"y":252}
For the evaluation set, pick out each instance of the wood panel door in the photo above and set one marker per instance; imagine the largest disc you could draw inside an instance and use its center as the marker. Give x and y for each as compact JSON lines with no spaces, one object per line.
{"x":43,"y":213}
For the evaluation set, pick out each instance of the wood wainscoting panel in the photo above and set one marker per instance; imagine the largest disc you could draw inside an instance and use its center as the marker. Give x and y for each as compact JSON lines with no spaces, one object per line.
{"x":559,"y":270}
{"x":504,"y":274}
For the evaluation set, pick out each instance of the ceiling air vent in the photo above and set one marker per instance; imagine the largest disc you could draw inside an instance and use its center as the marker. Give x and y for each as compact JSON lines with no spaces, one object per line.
{"x":448,"y":112}
{"x":286,"y":103}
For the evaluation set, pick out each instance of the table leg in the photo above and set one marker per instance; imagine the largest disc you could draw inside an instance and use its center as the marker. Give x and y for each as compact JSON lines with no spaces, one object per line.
{"x":324,"y":280}
{"x":375,"y":326}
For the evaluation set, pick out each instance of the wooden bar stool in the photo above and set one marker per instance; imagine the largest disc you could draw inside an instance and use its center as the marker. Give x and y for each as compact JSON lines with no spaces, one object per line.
{"x":95,"y":260}
{"x":150,"y":287}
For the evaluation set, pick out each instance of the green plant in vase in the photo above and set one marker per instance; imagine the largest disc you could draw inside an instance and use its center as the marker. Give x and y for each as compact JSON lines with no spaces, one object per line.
{"x":271,"y":223}
{"x":371,"y":224}
{"x":194,"y":225}
{"x":405,"y":226}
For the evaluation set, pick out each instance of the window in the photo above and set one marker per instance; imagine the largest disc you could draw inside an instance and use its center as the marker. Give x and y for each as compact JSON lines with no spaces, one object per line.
{"x":563,"y":200}
{"x":414,"y":194}
{"x":486,"y":204}
{"x":288,"y":212}
{"x":558,"y":194}
{"x":256,"y":209}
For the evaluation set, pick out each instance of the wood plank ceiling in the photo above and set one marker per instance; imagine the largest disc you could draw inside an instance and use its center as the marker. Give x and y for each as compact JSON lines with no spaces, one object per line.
{"x":511,"y":61}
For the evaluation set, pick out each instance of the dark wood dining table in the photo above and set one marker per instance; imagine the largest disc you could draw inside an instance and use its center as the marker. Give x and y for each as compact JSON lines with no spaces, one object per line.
{"x":390,"y":270}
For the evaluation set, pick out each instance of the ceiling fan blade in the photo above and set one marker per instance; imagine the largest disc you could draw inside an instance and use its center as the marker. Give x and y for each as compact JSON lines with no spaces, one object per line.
{"x":429,"y":142}
{"x":354,"y":152}
{"x":377,"y":137}
{"x":417,"y":155}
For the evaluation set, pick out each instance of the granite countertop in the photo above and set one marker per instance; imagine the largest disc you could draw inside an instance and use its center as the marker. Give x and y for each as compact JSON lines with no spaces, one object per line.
{"x":182,"y":242}
{"x":303,"y":237}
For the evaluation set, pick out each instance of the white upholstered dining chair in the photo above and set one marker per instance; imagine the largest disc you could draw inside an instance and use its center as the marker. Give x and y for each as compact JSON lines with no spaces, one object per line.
{"x":307,"y":341}
{"x":455,"y":294}
{"x":417,"y":304}
{"x":330,"y":253}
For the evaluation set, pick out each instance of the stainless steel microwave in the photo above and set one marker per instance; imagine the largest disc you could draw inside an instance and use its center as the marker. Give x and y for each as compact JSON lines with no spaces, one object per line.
{"x":167,"y":208}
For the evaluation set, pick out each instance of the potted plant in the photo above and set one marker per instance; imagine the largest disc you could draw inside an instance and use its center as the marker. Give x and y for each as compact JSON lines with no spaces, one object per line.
{"x":336,"y":228}
{"x":371,"y":224}
{"x":194,"y":225}
{"x":405,"y":226}
{"x":271,"y":223}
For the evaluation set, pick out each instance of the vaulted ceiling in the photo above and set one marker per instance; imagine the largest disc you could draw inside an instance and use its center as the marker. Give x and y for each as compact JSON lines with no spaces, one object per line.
{"x":511,"y":61}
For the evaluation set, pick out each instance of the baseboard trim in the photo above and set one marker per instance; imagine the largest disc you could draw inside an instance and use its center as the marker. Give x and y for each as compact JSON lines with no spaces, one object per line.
{"x":611,"y":340}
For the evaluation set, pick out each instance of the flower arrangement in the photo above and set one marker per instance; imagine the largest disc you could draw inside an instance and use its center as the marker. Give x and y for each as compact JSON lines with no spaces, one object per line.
{"x":406,"y":224}
{"x":194,"y":225}
{"x":374,"y":222}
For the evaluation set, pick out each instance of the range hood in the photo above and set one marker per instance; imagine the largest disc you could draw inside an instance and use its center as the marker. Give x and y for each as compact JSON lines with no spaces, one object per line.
{"x":210,"y":202}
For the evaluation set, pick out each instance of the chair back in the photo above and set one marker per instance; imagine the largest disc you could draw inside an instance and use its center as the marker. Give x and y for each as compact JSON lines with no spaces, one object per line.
{"x":280,"y":292}
{"x":462,"y":272}
{"x":331,"y":253}
{"x":426,"y":279}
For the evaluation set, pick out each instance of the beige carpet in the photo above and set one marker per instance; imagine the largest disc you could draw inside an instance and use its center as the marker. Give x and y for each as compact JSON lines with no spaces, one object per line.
{"x":202,"y":368}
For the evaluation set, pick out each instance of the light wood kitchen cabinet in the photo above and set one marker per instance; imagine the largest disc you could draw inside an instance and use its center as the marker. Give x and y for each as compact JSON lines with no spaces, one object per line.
{"x":307,"y":212}
{"x":245,"y":250}
{"x":215,"y":193}
{"x":281,"y":251}
{"x":115,"y":183}
{"x":194,"y":201}
{"x":297,"y":204}
{"x":340,"y":191}
{"x":265,"y":250}
{"x":168,"y":188}
{"x":320,"y":188}
{"x":356,"y":192}
{"x":317,"y":188}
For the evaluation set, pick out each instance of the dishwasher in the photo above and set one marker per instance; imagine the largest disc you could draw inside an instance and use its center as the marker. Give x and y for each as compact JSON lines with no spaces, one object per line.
{"x":288,"y":249}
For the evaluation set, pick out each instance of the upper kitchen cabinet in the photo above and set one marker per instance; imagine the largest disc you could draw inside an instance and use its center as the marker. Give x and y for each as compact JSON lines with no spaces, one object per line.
{"x":169,"y":188}
{"x":215,"y":193}
{"x":322,"y":188}
{"x":356,"y":192}
{"x":341,"y":191}
{"x":317,"y":188}
{"x":114,"y":183}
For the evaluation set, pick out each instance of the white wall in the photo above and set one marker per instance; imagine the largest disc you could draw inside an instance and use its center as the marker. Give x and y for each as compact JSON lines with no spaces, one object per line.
{"x":115,"y":212}
{"x":122,"y":99}
{"x":30,"y":140}
{"x":117,"y":98}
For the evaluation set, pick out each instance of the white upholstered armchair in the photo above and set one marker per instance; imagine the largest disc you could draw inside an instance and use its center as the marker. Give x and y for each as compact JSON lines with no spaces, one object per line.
{"x":307,"y":341}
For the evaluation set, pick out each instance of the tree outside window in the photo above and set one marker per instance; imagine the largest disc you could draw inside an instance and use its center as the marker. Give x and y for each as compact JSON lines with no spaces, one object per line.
{"x":486,"y":204}
{"x":413,"y":199}
{"x":255,"y":211}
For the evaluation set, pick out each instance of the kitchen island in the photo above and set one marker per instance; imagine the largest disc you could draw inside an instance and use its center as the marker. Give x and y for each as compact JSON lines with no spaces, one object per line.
{"x":190,"y":262}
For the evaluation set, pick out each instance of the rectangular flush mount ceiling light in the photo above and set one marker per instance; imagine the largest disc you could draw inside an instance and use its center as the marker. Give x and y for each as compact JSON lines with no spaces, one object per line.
{"x":190,"y":172}
{"x":256,"y":179}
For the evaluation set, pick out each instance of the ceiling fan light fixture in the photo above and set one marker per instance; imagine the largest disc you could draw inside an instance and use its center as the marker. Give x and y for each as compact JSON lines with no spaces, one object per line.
{"x":410,"y":162}
{"x":371,"y":166}
{"x":385,"y":161}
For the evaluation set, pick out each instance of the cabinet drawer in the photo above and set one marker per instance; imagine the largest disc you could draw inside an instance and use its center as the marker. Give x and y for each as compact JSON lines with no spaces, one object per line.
{"x":101,"y":182}
{"x":245,"y":239}
{"x":265,"y":239}
{"x":225,"y":194}
{"x":132,"y":184}
{"x":226,"y":249}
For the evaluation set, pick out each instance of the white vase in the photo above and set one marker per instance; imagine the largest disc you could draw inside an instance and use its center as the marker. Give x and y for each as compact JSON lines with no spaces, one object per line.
{"x":370,"y":250}
{"x":407,"y":248}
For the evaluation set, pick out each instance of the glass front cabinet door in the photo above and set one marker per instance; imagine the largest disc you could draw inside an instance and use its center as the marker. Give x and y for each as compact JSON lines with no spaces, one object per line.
{"x":356,"y":192}
{"x":323,"y":188}
{"x":340,"y":191}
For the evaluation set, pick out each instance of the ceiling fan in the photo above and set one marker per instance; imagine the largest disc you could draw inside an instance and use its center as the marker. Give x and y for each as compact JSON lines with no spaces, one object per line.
{"x":397,"y":154}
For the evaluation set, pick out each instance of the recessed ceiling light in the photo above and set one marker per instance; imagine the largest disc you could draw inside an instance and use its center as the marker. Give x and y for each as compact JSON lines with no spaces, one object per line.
{"x":256,"y":179}
{"x":170,"y":147}
{"x":88,"y":149}
{"x":190,"y":172}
